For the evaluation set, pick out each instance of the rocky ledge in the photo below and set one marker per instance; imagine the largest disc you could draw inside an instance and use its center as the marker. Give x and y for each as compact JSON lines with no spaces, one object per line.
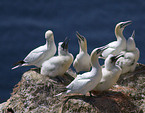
{"x":36,"y":94}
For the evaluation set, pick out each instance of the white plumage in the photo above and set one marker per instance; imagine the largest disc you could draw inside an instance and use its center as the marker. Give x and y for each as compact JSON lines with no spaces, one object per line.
{"x":82,"y":61}
{"x":116,"y":47}
{"x":87,"y":81}
{"x":58,"y":65}
{"x":37,"y":56}
{"x":131,"y":56}
{"x":110,"y":73}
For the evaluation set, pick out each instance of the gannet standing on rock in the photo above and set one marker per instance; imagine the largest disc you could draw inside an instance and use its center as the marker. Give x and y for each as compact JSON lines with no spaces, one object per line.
{"x":110,"y":73}
{"x":82,"y":61}
{"x":58,"y":65}
{"x":85,"y":82}
{"x":37,"y":56}
{"x":131,"y":56}
{"x":116,"y":47}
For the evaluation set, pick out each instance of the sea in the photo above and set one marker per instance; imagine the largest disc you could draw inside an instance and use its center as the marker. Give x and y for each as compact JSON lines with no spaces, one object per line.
{"x":23,"y":24}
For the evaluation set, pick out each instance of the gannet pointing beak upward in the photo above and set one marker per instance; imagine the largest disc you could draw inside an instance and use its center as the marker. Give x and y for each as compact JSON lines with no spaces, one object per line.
{"x":131,"y":56}
{"x":64,"y":45}
{"x":85,"y":82}
{"x":37,"y":56}
{"x":82,"y":61}
{"x":110,"y":73}
{"x":116,"y":47}
{"x":58,"y":65}
{"x":119,"y":29}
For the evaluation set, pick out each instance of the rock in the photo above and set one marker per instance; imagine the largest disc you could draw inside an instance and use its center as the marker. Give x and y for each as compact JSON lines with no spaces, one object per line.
{"x":36,"y":93}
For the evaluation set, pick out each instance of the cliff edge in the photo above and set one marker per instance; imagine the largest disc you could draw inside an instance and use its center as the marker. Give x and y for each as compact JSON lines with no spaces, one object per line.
{"x":36,"y":93}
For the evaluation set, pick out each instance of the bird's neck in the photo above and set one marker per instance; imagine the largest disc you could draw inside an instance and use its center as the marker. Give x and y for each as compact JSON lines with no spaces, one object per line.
{"x":50,"y":43}
{"x":62,"y":52}
{"x":95,"y":62}
{"x":83,"y":49}
{"x":119,"y":35}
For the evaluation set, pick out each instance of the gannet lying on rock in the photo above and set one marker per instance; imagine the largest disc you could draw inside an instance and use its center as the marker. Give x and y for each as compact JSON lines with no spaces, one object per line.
{"x":58,"y":65}
{"x":131,"y":56}
{"x":85,"y":82}
{"x":37,"y":56}
{"x":82,"y":61}
{"x":116,"y":47}
{"x":110,"y":73}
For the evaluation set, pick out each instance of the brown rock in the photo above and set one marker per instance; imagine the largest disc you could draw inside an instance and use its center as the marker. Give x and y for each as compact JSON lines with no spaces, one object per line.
{"x":36,"y":93}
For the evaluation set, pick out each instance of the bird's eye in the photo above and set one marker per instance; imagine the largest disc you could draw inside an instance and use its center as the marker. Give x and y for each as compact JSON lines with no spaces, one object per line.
{"x":121,"y":26}
{"x":98,"y":51}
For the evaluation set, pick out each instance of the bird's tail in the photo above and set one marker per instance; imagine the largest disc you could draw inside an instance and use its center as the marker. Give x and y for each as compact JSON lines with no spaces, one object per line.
{"x":62,"y":93}
{"x":59,"y":94}
{"x":18,"y":64}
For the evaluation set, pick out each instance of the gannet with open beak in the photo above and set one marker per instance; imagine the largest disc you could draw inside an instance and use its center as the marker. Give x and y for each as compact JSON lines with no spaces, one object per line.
{"x":116,"y":47}
{"x":58,"y":65}
{"x":110,"y":73}
{"x":85,"y":82}
{"x":82,"y":61}
{"x":131,"y":56}
{"x":37,"y":56}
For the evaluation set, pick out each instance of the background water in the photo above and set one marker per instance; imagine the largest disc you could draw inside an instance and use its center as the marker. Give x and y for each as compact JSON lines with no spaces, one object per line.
{"x":23,"y":24}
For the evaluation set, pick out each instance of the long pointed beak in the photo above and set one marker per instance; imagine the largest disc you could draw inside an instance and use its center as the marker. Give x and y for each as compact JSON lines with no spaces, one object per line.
{"x":65,"y":44}
{"x":133,"y":34}
{"x":127,"y":23}
{"x":104,"y":48}
{"x":80,"y":37}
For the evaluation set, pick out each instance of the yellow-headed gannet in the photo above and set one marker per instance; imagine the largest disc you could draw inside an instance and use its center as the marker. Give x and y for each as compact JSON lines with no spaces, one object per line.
{"x":58,"y":65}
{"x":116,"y":47}
{"x":131,"y":56}
{"x":110,"y":73}
{"x":37,"y":56}
{"x":85,"y":82}
{"x":82,"y":61}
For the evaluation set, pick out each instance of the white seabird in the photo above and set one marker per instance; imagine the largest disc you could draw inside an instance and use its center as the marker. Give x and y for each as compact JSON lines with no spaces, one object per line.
{"x":82,"y":61}
{"x":85,"y":82}
{"x":37,"y":56}
{"x":110,"y":73}
{"x":116,"y":47}
{"x":58,"y":65}
{"x":131,"y":55}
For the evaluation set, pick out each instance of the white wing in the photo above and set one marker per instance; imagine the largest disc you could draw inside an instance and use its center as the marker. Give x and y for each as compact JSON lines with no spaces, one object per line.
{"x":107,"y":52}
{"x":78,"y":84}
{"x":36,"y":54}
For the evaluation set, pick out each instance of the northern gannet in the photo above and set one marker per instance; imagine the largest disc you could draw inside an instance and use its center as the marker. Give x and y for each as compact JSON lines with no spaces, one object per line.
{"x":85,"y":82}
{"x":82,"y":61}
{"x":58,"y":65}
{"x":131,"y":56}
{"x":110,"y":73}
{"x":37,"y":56}
{"x":116,"y":47}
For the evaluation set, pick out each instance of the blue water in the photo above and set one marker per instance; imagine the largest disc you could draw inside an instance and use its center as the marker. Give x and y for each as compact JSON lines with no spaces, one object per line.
{"x":24,"y":22}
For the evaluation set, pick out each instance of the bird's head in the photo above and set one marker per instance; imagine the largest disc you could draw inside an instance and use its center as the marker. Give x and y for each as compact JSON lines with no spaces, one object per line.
{"x":49,"y":35}
{"x":120,"y":26}
{"x":131,"y":46}
{"x":98,"y":51}
{"x":63,"y":46}
{"x":82,"y":41}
